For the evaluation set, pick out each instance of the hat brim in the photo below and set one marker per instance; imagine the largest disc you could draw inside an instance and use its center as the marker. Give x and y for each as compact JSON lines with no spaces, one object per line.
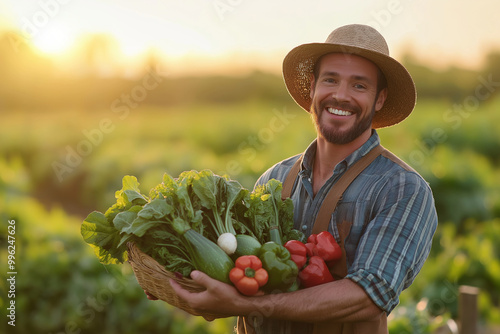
{"x":298,"y":68}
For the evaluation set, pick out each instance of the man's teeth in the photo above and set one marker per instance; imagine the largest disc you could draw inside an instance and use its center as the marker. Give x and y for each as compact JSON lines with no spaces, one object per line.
{"x":339,"y":112}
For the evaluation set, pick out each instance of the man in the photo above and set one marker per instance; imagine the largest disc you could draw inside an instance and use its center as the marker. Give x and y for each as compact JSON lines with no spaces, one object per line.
{"x":384,"y":220}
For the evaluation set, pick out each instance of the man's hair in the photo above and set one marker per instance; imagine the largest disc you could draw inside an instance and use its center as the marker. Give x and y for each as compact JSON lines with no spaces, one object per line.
{"x":381,"y":81}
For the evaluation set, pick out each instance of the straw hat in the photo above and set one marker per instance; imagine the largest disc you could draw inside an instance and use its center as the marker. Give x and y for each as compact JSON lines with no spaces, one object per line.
{"x":360,"y":40}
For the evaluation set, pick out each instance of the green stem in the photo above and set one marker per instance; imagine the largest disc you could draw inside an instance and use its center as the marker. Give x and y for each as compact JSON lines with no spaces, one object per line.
{"x":182,"y":251}
{"x":229,"y":224}
{"x":274,"y":231}
{"x":274,"y":234}
{"x":215,"y":225}
{"x":249,"y":272}
{"x":220,"y":225}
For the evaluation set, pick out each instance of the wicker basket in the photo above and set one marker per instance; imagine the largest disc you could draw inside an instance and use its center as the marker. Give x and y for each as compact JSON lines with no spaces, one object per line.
{"x":153,"y":278}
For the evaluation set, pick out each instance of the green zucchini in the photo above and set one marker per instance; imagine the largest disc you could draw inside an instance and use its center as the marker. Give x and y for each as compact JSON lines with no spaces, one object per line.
{"x":208,"y":257}
{"x":246,"y":245}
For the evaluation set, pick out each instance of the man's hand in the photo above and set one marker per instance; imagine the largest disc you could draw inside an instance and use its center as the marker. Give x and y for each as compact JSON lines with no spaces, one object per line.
{"x":218,"y":298}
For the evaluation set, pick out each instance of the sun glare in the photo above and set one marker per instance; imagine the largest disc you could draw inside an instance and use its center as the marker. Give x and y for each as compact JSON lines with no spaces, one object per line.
{"x":53,"y":42}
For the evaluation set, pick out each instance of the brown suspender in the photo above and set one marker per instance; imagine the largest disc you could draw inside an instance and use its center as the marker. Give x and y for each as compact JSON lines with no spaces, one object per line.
{"x":290,"y":179}
{"x":335,"y":193}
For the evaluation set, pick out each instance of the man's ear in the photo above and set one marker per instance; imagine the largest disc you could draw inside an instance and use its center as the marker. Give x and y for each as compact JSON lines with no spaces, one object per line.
{"x":313,"y":85}
{"x":382,"y":96}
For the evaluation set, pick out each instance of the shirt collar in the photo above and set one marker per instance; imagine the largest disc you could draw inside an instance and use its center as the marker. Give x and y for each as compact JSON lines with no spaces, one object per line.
{"x":370,"y":144}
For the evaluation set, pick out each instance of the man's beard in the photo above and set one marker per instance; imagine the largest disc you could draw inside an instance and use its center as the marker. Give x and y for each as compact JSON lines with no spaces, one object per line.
{"x":335,"y":136}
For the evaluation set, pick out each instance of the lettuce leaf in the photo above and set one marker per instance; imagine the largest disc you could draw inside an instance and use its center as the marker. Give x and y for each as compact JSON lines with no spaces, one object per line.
{"x":104,"y":238}
{"x":265,"y":209}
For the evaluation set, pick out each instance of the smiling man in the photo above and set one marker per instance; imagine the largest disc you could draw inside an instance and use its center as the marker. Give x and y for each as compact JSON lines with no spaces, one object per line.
{"x":345,"y":94}
{"x":379,"y":209}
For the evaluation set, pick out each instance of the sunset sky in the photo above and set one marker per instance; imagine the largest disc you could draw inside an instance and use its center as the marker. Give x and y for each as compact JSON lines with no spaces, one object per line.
{"x":197,"y":34}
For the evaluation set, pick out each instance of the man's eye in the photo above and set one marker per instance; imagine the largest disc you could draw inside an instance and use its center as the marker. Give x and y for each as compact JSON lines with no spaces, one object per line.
{"x":359,"y":86}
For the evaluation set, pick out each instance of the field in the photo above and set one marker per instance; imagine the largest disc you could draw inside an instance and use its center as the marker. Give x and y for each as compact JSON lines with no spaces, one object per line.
{"x":56,"y":166}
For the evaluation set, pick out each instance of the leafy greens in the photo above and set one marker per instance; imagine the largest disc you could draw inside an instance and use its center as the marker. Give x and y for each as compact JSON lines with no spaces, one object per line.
{"x":202,"y":201}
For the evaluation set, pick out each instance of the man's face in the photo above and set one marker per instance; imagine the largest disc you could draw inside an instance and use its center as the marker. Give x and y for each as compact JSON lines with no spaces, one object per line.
{"x":344,"y":97}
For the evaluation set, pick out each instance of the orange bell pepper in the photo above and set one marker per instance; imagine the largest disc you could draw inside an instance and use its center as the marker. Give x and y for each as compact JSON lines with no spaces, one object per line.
{"x":248,"y":276}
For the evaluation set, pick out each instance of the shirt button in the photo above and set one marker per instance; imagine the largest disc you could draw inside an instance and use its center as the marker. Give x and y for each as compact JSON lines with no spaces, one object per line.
{"x":304,"y":227}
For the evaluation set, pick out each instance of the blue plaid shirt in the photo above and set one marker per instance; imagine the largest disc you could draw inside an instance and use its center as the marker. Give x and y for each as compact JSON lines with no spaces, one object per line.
{"x":393,"y":221}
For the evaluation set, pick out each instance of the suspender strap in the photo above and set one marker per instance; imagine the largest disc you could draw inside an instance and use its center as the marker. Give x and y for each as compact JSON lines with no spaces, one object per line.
{"x":335,"y":193}
{"x":290,"y":179}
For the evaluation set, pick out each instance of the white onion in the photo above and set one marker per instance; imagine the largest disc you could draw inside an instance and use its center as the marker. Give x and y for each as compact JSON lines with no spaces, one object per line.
{"x":227,"y":241}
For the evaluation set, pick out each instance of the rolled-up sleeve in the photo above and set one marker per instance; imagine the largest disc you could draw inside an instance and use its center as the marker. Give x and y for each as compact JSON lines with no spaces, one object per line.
{"x":397,"y":240}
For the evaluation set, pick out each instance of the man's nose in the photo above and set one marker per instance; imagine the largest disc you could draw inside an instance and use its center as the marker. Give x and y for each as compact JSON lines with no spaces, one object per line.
{"x":341,"y":92}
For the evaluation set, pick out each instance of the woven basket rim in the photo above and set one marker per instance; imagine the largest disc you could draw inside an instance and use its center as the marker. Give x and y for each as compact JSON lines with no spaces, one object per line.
{"x":155,"y":279}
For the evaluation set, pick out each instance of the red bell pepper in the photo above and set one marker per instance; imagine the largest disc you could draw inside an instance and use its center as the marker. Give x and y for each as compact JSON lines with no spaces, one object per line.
{"x":248,"y":275}
{"x":325,"y":246}
{"x":298,"y":252}
{"x":312,"y":269}
{"x":315,"y":273}
{"x":310,"y":249}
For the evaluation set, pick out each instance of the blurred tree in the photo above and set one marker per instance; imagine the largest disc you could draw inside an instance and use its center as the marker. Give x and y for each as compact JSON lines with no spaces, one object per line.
{"x":453,"y":83}
{"x":97,"y":55}
{"x":491,"y":71}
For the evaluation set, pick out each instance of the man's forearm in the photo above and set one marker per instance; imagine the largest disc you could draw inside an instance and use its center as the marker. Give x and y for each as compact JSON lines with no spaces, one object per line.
{"x":342,"y":301}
